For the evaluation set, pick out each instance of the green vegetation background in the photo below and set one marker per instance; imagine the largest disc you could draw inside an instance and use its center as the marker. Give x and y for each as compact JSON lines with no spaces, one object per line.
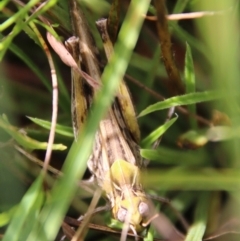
{"x":203,"y":184}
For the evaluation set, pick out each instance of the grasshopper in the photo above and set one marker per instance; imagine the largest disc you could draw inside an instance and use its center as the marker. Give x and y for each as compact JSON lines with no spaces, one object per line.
{"x":115,"y":161}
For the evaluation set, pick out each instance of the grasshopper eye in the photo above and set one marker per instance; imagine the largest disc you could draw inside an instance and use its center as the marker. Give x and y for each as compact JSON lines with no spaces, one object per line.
{"x":143,"y":208}
{"x":121,"y":215}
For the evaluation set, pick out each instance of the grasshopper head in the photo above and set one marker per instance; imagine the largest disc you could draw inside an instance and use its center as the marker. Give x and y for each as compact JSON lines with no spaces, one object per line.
{"x":133,"y":210}
{"x":123,"y":188}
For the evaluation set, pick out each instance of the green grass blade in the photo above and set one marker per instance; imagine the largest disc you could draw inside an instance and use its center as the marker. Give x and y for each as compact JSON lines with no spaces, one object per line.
{"x":60,"y":129}
{"x":201,"y":179}
{"x":153,"y":136}
{"x":189,"y":77}
{"x":22,"y":139}
{"x":18,"y":27}
{"x":19,"y":15}
{"x":5,"y":217}
{"x":3,"y":4}
{"x":197,"y":229}
{"x":166,"y":156}
{"x":183,"y":100}
{"x":28,"y":207}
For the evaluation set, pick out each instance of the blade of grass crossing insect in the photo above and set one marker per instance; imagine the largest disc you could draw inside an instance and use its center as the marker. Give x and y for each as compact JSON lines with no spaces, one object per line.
{"x":25,"y":214}
{"x":153,"y":136}
{"x":62,"y":193}
{"x":189,"y":77}
{"x":197,"y":230}
{"x":187,"y":99}
{"x":76,"y":162}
